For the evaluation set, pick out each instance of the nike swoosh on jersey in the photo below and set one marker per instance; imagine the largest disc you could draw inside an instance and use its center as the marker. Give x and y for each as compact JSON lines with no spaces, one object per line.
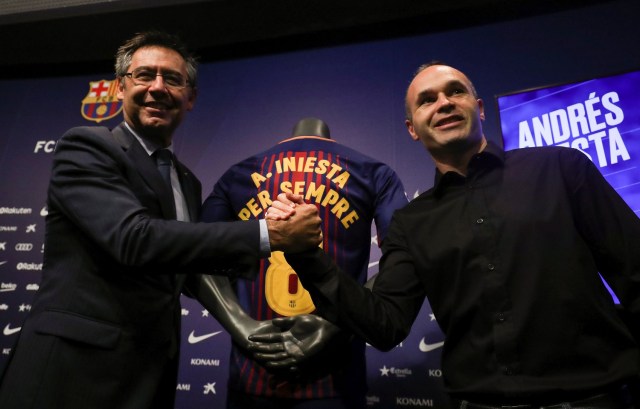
{"x":424,"y":347}
{"x":194,"y":339}
{"x":10,"y":331}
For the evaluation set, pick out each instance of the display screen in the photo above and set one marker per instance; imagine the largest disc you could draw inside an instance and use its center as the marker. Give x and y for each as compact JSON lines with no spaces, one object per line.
{"x":599,"y":116}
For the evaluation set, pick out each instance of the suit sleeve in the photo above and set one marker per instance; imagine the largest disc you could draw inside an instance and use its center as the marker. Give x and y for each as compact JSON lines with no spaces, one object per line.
{"x":100,"y":190}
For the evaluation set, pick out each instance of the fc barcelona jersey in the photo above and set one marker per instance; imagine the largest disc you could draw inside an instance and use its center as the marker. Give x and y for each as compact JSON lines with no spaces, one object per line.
{"x":351,"y":191}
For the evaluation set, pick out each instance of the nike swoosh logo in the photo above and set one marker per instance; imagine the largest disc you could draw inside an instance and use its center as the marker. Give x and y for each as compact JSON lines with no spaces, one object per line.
{"x":10,"y":331}
{"x":424,"y":347}
{"x":194,"y":339}
{"x":2,"y":262}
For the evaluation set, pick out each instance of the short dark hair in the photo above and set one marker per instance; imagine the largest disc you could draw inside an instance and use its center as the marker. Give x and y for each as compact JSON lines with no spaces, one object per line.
{"x":424,"y":67}
{"x":125,"y":53}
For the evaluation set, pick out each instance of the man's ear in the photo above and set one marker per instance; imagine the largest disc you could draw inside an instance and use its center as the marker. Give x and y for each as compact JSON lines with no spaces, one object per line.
{"x":409,"y":124}
{"x":120,"y":88}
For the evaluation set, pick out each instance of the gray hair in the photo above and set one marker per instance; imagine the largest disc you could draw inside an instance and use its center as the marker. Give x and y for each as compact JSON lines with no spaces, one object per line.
{"x":125,"y":53}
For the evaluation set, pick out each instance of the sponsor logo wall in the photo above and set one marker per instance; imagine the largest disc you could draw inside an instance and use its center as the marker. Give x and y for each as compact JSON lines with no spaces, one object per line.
{"x":247,"y":105}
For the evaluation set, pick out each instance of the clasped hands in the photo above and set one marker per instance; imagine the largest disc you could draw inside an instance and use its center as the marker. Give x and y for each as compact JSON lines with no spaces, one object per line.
{"x":294,"y":226}
{"x":297,"y":346}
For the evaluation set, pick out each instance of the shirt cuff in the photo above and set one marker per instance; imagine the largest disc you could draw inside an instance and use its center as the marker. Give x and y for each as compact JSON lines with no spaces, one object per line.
{"x":265,"y":247}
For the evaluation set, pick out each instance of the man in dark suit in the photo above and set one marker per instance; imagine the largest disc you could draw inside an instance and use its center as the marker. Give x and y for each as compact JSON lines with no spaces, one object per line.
{"x":103,"y":329}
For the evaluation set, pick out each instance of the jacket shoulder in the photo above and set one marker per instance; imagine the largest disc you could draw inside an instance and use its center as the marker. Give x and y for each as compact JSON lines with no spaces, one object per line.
{"x":98,"y":137}
{"x":101,"y":131}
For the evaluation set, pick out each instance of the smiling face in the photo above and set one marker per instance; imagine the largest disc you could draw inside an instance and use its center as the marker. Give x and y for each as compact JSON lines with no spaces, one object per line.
{"x":156,"y":110}
{"x":444,"y":112}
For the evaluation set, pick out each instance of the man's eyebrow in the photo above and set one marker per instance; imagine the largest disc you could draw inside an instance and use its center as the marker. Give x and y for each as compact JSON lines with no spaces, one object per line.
{"x":157,"y":69}
{"x":424,"y":93}
{"x":450,"y":84}
{"x":458,"y":83}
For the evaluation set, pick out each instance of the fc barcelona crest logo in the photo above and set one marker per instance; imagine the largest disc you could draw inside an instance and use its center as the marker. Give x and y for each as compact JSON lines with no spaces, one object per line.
{"x":101,"y":103}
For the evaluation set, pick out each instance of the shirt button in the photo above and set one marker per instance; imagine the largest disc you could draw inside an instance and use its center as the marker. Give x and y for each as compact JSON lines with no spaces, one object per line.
{"x":480,"y":221}
{"x":491,"y":267}
{"x":500,"y":317}
{"x":507,"y":371}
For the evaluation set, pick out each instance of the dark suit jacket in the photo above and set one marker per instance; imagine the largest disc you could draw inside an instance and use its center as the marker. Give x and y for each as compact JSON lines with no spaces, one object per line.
{"x":103,"y":329}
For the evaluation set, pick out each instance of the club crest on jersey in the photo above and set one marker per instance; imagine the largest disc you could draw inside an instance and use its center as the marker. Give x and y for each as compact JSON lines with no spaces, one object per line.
{"x":101,"y":102}
{"x":283,"y":290}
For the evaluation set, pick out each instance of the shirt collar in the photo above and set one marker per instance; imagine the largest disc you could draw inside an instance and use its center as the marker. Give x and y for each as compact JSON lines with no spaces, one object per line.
{"x":148,"y":146}
{"x":492,"y":153}
{"x":320,"y":138}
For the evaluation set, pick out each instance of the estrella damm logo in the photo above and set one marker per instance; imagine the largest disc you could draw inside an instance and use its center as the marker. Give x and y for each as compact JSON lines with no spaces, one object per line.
{"x":101,"y":103}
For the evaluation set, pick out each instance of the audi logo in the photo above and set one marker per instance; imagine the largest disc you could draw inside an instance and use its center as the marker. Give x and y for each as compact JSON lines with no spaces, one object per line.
{"x":24,"y":247}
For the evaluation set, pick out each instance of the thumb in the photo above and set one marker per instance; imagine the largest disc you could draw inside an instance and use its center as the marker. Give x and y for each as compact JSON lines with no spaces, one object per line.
{"x":284,"y":323}
{"x":297,"y":199}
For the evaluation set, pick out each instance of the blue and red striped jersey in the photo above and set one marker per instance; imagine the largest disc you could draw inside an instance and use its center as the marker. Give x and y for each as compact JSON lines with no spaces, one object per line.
{"x":351,"y":191}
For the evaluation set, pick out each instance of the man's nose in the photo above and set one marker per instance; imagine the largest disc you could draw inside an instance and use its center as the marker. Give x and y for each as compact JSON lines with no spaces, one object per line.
{"x":443,"y":101}
{"x":158,"y":83}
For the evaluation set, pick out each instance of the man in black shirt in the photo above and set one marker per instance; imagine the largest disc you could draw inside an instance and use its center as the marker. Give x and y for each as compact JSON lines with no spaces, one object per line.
{"x":507,"y":247}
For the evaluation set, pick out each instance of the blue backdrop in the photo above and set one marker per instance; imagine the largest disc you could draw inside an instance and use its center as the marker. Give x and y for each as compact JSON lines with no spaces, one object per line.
{"x":247,"y":105}
{"x":598,"y":116}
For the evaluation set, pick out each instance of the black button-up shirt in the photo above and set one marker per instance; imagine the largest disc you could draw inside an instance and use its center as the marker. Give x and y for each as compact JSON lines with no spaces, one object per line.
{"x":508,"y":257}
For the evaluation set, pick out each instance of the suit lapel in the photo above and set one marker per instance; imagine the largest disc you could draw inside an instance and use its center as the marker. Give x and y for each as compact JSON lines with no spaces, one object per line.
{"x":147,"y":168}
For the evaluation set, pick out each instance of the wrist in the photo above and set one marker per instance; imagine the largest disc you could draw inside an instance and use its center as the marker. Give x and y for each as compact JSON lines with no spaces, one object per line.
{"x":310,"y":264}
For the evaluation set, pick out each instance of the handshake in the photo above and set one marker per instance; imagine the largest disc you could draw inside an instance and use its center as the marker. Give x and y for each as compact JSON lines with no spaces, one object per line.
{"x":294,"y":226}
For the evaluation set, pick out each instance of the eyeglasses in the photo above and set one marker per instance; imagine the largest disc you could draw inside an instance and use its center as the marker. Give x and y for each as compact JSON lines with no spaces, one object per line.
{"x":146,"y":77}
